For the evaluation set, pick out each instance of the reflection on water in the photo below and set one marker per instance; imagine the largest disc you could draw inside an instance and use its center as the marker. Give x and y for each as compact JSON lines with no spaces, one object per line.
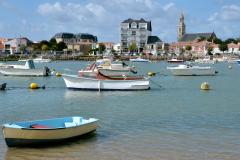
{"x":66,"y":149}
{"x":80,"y":94}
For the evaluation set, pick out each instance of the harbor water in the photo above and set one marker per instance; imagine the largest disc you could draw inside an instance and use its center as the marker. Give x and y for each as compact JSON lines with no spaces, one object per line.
{"x":174,"y":120}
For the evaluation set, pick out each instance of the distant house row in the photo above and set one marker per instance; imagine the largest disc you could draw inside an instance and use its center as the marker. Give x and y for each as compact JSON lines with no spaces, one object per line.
{"x":13,"y":45}
{"x":199,"y":43}
{"x":135,"y":37}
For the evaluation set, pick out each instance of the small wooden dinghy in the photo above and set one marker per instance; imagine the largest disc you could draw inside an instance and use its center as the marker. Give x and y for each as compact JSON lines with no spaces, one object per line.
{"x":44,"y":131}
{"x":3,"y":86}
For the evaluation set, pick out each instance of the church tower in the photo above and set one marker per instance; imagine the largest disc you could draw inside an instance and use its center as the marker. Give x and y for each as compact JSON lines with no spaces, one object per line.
{"x":181,"y":27}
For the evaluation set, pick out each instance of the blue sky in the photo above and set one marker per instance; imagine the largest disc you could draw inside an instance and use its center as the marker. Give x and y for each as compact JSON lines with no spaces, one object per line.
{"x":41,"y":19}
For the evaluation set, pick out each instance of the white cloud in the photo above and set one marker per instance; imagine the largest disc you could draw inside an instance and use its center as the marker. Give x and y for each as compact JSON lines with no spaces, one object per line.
{"x":168,"y":6}
{"x":226,"y":21}
{"x":227,"y":13}
{"x":213,"y":17}
{"x":103,"y":19}
{"x":231,"y":12}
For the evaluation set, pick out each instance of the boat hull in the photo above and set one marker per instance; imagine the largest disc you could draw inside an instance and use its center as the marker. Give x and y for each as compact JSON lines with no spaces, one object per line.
{"x":137,"y":60}
{"x":42,"y":61}
{"x":110,"y":72}
{"x":83,"y":83}
{"x":32,"y":136}
{"x":23,"y":72}
{"x":193,"y":72}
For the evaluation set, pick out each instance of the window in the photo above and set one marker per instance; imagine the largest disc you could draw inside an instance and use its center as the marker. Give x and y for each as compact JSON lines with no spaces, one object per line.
{"x":134,"y":33}
{"x":133,"y":25}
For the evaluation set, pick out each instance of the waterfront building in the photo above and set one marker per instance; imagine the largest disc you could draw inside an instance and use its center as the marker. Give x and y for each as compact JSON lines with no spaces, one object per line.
{"x":117,"y":48}
{"x":234,"y":48}
{"x":82,"y":42}
{"x":198,"y":42}
{"x":155,"y":46}
{"x":197,"y":48}
{"x":109,"y":47}
{"x":135,"y":32}
{"x":181,"y":27}
{"x":16,"y":45}
{"x":2,"y":45}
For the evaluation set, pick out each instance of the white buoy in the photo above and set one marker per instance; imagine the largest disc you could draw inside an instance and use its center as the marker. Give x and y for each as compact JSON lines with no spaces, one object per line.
{"x":229,"y":67}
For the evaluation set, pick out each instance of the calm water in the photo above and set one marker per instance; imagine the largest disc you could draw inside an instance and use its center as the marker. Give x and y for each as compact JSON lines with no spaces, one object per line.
{"x":174,"y":122}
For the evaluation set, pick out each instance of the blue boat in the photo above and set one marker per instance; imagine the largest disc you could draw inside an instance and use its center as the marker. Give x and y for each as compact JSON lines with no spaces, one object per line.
{"x":44,"y":131}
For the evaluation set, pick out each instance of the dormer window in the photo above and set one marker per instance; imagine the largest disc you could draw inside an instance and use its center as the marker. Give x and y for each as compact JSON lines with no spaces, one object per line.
{"x":134,"y":25}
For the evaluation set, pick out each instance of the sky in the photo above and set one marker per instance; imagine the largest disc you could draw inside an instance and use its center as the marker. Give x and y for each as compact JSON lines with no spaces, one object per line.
{"x":42,"y":19}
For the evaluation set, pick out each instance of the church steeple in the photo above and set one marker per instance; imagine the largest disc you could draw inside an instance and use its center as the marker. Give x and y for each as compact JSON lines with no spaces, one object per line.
{"x":181,"y":27}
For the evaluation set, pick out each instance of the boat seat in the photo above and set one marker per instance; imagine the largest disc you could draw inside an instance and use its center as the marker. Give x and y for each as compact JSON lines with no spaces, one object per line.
{"x":38,"y":126}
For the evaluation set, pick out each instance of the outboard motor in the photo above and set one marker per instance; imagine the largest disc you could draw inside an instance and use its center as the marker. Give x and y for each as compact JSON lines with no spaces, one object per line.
{"x":46,"y":71}
{"x":29,"y":64}
{"x":3,"y":86}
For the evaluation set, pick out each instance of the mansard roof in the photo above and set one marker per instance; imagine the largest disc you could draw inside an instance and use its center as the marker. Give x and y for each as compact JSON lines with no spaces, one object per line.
{"x":153,"y":39}
{"x":86,"y":36}
{"x":129,"y":20}
{"x":64,"y":35}
{"x":195,"y":36}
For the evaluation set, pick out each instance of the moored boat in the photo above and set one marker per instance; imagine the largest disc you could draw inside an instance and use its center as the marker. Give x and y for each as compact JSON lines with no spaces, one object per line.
{"x":45,"y":131}
{"x":206,"y":59}
{"x":175,"y":60}
{"x":102,"y":82}
{"x":41,"y":60}
{"x":187,"y":70}
{"x":108,"y":67}
{"x":139,"y":60}
{"x":24,"y":70}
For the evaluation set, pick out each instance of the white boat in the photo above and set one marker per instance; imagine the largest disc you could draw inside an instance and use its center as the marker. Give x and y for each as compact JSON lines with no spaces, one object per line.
{"x":43,"y":132}
{"x":123,"y":83}
{"x":187,"y":70}
{"x":107,"y":67}
{"x":139,"y":60}
{"x":175,"y":60}
{"x":41,"y":60}
{"x":24,"y":70}
{"x":206,"y":59}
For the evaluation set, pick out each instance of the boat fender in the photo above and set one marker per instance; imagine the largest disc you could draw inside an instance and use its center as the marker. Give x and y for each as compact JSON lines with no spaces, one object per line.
{"x":133,"y":71}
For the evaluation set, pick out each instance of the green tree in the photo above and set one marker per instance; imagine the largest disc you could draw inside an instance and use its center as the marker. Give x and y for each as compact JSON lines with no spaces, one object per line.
{"x":35,"y":47}
{"x":23,"y":48}
{"x":44,"y":42}
{"x":217,"y":41}
{"x":223,"y":47}
{"x":201,"y":39}
{"x":44,"y":47}
{"x":230,"y":40}
{"x":101,"y":48}
{"x":188,"y":48}
{"x":53,"y":44}
{"x":209,"y":50}
{"x":61,"y":46}
{"x":132,"y":47}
